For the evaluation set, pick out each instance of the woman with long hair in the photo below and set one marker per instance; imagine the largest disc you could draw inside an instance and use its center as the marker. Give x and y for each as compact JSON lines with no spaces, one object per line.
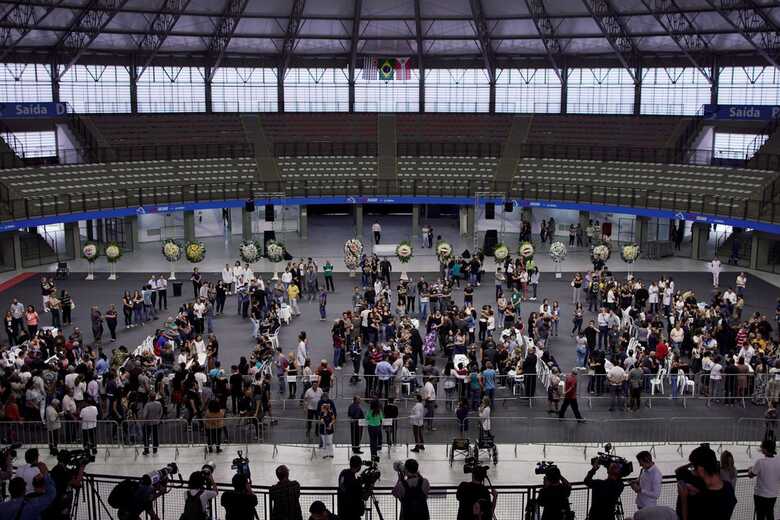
{"x":374,"y":418}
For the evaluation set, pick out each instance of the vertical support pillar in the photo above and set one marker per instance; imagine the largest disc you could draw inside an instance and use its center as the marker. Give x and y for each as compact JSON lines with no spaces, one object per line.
{"x":698,"y":240}
{"x":466,"y":220}
{"x":133,"y":89}
{"x":131,"y":232}
{"x":189,"y":225}
{"x":73,"y":239}
{"x":415,"y":221}
{"x":564,"y":89}
{"x":755,"y":250}
{"x":280,"y":89}
{"x":421,"y":89}
{"x":303,"y":222}
{"x":584,"y":220}
{"x":641,"y":225}
{"x":527,"y":215}
{"x":359,"y":221}
{"x":90,"y":230}
{"x":100,"y":235}
{"x":492,"y":98}
{"x":17,"y":238}
{"x":638,"y":90}
{"x":715,"y":74}
{"x":207,"y":89}
{"x":246,"y":224}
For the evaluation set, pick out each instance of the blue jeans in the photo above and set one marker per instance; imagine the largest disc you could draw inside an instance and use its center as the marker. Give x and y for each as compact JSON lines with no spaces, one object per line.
{"x":338,"y":354}
{"x":423,"y":310}
{"x":673,"y":379}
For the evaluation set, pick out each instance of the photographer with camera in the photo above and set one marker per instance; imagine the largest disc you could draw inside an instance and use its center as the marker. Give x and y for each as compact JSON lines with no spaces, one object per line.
{"x":350,"y":491}
{"x":472,"y":492}
{"x":605,"y":494}
{"x":554,"y":495}
{"x":240,"y":502}
{"x":201,"y":490}
{"x":411,"y":489}
{"x":285,"y":497}
{"x":700,"y":490}
{"x":30,"y":470}
{"x":67,"y":475}
{"x":648,"y":485}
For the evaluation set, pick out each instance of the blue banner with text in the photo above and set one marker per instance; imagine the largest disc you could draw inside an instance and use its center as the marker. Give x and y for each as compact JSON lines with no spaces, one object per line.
{"x":28,"y":110}
{"x":741,"y":112}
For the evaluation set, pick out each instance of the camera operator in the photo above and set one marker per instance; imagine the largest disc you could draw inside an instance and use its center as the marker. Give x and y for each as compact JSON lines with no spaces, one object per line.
{"x":66,"y":481}
{"x":240,"y":502}
{"x":285,"y":497}
{"x":30,"y":470}
{"x":142,"y":501}
{"x":471,"y":492}
{"x":768,"y":472}
{"x":350,"y":491}
{"x":648,"y":486}
{"x":702,"y":494}
{"x":411,"y":489}
{"x":197,"y":505}
{"x":554,"y":495}
{"x":605,"y":493}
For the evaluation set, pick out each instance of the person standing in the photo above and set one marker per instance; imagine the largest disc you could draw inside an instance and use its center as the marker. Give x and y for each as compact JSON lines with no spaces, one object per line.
{"x":411,"y":489}
{"x":240,"y":502}
{"x":197,"y":280}
{"x":429,"y":396}
{"x":529,"y":374}
{"x":416,"y":417}
{"x":715,"y":269}
{"x":284,"y":497}
{"x":355,"y":414}
{"x":162,"y":293}
{"x":111,"y":318}
{"x":327,"y":270}
{"x":648,"y":486}
{"x":151,"y":416}
{"x":570,"y":396}
{"x":374,"y":419}
{"x":327,"y":429}
{"x":767,"y":474}
{"x":312,"y":398}
{"x":377,"y":230}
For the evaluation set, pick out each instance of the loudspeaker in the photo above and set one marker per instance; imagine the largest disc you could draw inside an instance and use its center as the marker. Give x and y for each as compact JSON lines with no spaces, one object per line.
{"x":508,"y":206}
{"x":490,"y":211}
{"x":249,"y":206}
{"x":269,"y":212}
{"x":491,"y":239}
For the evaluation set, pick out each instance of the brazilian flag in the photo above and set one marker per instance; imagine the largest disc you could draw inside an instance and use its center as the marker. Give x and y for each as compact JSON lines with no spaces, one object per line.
{"x":387,"y":69}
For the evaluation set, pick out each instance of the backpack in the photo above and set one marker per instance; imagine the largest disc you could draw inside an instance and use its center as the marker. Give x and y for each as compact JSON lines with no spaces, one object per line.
{"x":122,"y":496}
{"x":193,"y":507}
{"x":414,"y":504}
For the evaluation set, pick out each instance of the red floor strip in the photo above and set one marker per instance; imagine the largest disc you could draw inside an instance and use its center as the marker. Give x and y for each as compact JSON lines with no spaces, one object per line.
{"x":16,"y":280}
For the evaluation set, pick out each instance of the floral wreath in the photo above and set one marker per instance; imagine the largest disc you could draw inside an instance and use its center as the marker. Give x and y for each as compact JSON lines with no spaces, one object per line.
{"x":194,"y":251}
{"x":250,"y":251}
{"x":500,"y":252}
{"x":601,"y":253}
{"x":274,"y":251}
{"x":353,"y":249}
{"x":558,"y":251}
{"x":90,"y":251}
{"x":404,"y":251}
{"x":172,"y":250}
{"x":443,"y":251}
{"x":630,"y":253}
{"x":526,"y":250}
{"x":113,"y":252}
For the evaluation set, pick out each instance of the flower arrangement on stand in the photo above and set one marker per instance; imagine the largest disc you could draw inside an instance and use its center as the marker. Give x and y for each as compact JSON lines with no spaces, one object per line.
{"x":404,"y":253}
{"x":600,"y":254}
{"x":172,"y":251}
{"x":113,"y":252}
{"x":443,"y":251}
{"x":558,"y":254}
{"x":500,"y":252}
{"x":526,"y":250}
{"x":630,"y":253}
{"x":353,"y":250}
{"x":90,"y":251}
{"x":274,"y":252}
{"x":194,"y":251}
{"x":250,"y":251}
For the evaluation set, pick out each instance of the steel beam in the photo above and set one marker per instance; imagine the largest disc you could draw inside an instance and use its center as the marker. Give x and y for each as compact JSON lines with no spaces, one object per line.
{"x":483,"y":38}
{"x":681,"y":30}
{"x":751,"y":21}
{"x":294,"y":23}
{"x":419,"y":36}
{"x":22,"y":18}
{"x":159,"y":28}
{"x":614,"y":30}
{"x":546,"y":30}
{"x":355,"y":38}
{"x":224,"y":28}
{"x":84,"y":29}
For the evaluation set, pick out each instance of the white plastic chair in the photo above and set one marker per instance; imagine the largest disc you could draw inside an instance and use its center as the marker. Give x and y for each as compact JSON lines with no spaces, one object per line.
{"x":688,"y":383}
{"x":658,"y":382}
{"x":517,"y":388}
{"x":273,"y":337}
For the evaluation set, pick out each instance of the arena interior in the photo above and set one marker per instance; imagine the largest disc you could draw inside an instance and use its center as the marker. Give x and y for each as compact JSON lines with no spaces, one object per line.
{"x":456,"y":234}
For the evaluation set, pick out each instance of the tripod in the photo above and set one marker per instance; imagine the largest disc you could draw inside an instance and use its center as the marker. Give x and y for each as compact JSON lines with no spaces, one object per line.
{"x":374,"y":501}
{"x":93,"y":493}
{"x":619,"y":510}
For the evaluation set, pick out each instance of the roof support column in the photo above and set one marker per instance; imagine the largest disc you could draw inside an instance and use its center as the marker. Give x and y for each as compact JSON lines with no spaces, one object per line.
{"x":638,"y":90}
{"x":492,"y":98}
{"x":207,"y":89}
{"x":280,"y":88}
{"x":133,"y":72}
{"x":715,"y":75}
{"x":564,"y":88}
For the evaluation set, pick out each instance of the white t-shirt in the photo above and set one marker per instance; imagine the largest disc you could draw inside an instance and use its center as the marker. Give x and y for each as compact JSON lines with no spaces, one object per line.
{"x":376,"y":228}
{"x":70,"y":380}
{"x":767,"y":471}
{"x":28,"y":473}
{"x":715,"y":373}
{"x":89,"y":416}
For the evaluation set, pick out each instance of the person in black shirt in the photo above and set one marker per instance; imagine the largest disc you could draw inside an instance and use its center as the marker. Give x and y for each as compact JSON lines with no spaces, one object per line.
{"x":605,"y":494}
{"x":472,"y":492}
{"x":240,"y":502}
{"x":702,"y":494}
{"x":350,"y":491}
{"x":236,"y":382}
{"x":529,"y":373}
{"x":554,"y":496}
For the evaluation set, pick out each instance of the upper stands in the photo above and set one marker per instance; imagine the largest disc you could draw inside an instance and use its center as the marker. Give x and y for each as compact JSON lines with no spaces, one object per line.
{"x":168,"y":129}
{"x":441,"y":128}
{"x":319,"y":127}
{"x":606,"y":130}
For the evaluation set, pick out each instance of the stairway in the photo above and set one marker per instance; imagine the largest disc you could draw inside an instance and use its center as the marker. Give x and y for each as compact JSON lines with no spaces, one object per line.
{"x":267,"y":167}
{"x":513,"y":148}
{"x":386,"y":147}
{"x":745,"y":244}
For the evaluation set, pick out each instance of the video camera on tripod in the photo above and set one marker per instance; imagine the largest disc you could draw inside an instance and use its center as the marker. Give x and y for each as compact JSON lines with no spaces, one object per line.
{"x":606,"y":459}
{"x":241,"y":465}
{"x":369,"y":477}
{"x":74,"y":459}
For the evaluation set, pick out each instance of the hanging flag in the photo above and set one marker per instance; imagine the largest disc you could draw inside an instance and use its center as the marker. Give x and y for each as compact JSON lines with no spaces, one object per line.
{"x":386,"y":69}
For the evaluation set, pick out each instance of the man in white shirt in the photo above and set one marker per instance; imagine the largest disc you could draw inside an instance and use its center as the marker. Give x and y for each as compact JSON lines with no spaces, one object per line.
{"x":416,"y":417}
{"x":767,"y":474}
{"x":227,"y":278}
{"x":312,"y":398}
{"x":716,"y":380}
{"x":377,"y":230}
{"x":162,"y":292}
{"x":429,"y":396}
{"x":29,"y":470}
{"x":616,"y":376}
{"x":715,"y":270}
{"x":648,"y":486}
{"x":603,"y":324}
{"x":302,"y":352}
{"x":741,"y":283}
{"x":89,"y":420}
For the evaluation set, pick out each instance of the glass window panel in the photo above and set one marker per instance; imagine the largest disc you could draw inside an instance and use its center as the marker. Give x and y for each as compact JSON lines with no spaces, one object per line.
{"x":749,"y":85}
{"x":32,"y":144}
{"x":387,"y":96}
{"x":673,"y":91}
{"x":96,"y":88}
{"x":316,"y":90}
{"x":737,"y":146}
{"x":24,"y":82}
{"x":528,"y":90}
{"x":456,"y":90}
{"x":600,"y":91}
{"x":244,"y":90}
{"x":172,"y":89}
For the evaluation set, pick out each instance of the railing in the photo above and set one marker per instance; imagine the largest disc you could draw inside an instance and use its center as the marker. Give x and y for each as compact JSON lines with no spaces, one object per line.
{"x":442,"y":503}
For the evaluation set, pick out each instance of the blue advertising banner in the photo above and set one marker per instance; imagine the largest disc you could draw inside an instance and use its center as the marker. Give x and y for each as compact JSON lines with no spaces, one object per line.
{"x":29,"y":110}
{"x":456,"y":201}
{"x":741,"y":112}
